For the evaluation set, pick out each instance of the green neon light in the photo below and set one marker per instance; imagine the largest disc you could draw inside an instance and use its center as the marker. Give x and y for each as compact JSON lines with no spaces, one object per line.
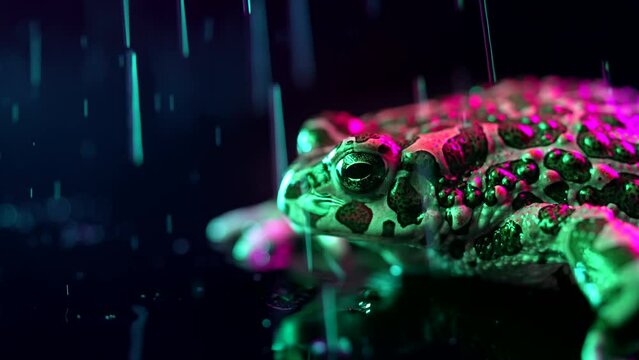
{"x":134,"y":116}
{"x":184,"y":35}
{"x":127,"y":25}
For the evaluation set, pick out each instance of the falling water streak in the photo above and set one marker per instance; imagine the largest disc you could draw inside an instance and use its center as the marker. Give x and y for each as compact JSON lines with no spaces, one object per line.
{"x":169,"y":224}
{"x":308,"y":243}
{"x":260,"y":57}
{"x":419,"y":89}
{"x":334,"y":266}
{"x":246,"y":4}
{"x":157,"y":102}
{"x":126,"y":23}
{"x":85,"y":107}
{"x":135,"y":243}
{"x":66,"y":312}
{"x":277,"y":134}
{"x":330,"y":319}
{"x":84,"y":41}
{"x":218,"y":136}
{"x":428,"y":234}
{"x":137,"y":332}
{"x":373,"y":8}
{"x":488,"y":45}
{"x":302,"y":54}
{"x":35,"y":54}
{"x":184,"y":34}
{"x":209,"y":25}
{"x":15,"y":112}
{"x":57,"y":190}
{"x":171,"y":103}
{"x":133,"y":106}
{"x":605,"y":72}
{"x":460,"y":5}
{"x":30,"y":193}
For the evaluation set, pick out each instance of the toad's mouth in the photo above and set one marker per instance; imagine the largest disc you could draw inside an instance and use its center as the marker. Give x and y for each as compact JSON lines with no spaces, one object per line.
{"x":318,"y":204}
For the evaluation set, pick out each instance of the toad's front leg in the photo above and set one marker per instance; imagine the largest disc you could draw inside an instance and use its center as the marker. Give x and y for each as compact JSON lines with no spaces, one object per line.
{"x":603,"y":252}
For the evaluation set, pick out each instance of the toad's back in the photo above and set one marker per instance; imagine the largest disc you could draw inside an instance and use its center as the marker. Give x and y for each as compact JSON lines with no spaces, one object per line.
{"x":458,"y":167}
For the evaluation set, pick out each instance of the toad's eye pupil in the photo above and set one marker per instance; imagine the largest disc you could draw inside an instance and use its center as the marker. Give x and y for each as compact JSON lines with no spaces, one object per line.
{"x":361,"y":172}
{"x":358,"y":171}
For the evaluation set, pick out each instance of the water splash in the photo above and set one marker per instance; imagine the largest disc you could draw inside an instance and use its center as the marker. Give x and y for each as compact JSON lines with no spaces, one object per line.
{"x":184,"y":34}
{"x":488,"y":45}
{"x":302,"y":53}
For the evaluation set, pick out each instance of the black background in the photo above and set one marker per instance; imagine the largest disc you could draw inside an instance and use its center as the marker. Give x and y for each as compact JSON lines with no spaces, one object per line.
{"x":364,"y":62}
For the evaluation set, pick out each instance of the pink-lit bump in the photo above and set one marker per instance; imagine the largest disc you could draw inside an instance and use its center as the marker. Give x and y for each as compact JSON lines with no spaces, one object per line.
{"x":355,"y":126}
{"x":608,"y":172}
{"x":527,"y":130}
{"x":501,"y":193}
{"x":590,"y":107}
{"x":536,"y":154}
{"x":474,"y":101}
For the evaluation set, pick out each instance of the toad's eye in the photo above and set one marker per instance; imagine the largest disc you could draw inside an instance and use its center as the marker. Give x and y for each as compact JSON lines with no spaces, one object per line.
{"x":361,"y":172}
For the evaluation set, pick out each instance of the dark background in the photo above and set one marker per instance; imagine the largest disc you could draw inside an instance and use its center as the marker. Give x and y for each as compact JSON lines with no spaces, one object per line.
{"x":105,"y":239}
